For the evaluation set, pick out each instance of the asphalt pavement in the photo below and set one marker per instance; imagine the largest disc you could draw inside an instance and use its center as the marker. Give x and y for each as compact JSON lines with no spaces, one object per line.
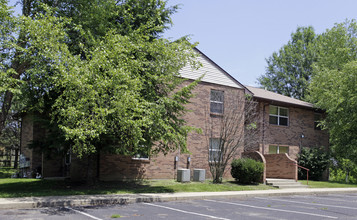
{"x":95,"y":200}
{"x":300,"y":207}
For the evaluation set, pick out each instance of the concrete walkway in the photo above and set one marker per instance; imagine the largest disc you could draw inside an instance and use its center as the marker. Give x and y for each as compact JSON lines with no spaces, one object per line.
{"x":92,"y":200}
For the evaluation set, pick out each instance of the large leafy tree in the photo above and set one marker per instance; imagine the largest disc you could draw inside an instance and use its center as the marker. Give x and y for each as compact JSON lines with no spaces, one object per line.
{"x":9,"y":61}
{"x":333,"y":86}
{"x":335,"y":90}
{"x":326,"y":67}
{"x":103,"y":79}
{"x":336,"y":46}
{"x":290,"y":69}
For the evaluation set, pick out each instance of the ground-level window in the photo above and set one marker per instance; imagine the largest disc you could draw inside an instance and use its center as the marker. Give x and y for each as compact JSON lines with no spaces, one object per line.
{"x":317,"y":120}
{"x":277,"y":149}
{"x":217,"y":101}
{"x":278,"y":115}
{"x":142,"y":154}
{"x":214,"y":149}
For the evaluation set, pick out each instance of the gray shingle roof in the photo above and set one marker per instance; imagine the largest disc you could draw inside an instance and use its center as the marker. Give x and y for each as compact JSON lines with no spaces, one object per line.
{"x":272,"y":96}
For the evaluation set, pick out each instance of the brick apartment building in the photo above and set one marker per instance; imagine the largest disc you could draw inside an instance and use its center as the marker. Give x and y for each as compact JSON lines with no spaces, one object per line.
{"x":285,"y":124}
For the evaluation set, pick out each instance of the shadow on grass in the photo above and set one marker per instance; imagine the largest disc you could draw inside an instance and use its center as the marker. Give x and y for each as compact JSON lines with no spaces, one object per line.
{"x":241,"y":184}
{"x":64,"y":187}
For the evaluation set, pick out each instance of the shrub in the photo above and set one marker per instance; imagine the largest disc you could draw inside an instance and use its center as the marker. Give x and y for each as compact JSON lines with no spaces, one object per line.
{"x":343,"y":170}
{"x":316,"y":160}
{"x":246,"y":170}
{"x":6,"y":172}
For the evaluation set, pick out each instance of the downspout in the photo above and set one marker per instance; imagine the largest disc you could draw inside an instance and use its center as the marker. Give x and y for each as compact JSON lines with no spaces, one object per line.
{"x":263,"y":135}
{"x":20,"y":150}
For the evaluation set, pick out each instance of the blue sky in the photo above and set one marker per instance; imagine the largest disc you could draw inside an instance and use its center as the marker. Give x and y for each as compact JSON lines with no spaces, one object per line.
{"x":239,"y":35}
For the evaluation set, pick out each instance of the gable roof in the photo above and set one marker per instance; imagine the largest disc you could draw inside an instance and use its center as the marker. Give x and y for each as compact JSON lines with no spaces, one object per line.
{"x":212,"y":72}
{"x":275,"y":97}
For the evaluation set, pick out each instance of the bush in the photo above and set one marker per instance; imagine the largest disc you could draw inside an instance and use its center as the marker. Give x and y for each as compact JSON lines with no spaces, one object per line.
{"x":316,"y":160}
{"x":6,"y":172}
{"x":247,"y":170}
{"x":343,"y":170}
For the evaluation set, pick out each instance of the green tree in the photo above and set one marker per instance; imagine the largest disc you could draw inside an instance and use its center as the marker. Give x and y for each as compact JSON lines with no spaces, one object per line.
{"x":333,"y":86}
{"x":343,"y":170}
{"x":8,"y":61}
{"x":289,"y":71}
{"x":336,"y":46}
{"x":335,"y":90}
{"x":321,"y":69}
{"x":123,"y":94}
{"x":108,"y":82}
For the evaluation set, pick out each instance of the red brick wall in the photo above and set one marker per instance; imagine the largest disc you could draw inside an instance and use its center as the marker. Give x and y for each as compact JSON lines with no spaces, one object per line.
{"x":301,"y":121}
{"x":114,"y":167}
{"x":29,"y":132}
{"x":26,"y":136}
{"x":280,"y":166}
{"x":51,"y":166}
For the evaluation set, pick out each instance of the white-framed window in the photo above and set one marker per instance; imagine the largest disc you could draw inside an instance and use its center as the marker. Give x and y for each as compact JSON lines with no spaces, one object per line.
{"x":217,"y":101}
{"x":278,"y":115}
{"x":317,"y":119}
{"x":142,"y":154}
{"x":214,"y":149}
{"x":277,"y":149}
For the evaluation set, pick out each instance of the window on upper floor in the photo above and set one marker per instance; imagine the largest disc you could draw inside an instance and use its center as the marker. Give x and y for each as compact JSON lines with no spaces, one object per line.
{"x":217,"y":101}
{"x":317,"y":120}
{"x":277,"y":149}
{"x":278,"y":115}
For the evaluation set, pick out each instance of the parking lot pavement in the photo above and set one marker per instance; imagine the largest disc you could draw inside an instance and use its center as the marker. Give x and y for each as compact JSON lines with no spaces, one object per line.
{"x":333,"y":206}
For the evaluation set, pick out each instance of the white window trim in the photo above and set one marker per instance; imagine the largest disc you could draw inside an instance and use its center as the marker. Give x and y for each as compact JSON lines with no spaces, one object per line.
{"x":213,"y":150}
{"x":141,"y":158}
{"x":277,"y":148}
{"x":280,"y":116}
{"x":218,"y":102}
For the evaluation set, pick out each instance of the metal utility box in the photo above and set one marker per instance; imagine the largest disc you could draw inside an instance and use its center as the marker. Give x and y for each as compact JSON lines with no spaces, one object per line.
{"x":183,"y":175}
{"x":199,"y":175}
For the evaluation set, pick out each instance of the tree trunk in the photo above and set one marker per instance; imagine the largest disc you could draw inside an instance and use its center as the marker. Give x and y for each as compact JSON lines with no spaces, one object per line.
{"x":16,"y":158}
{"x":18,"y":66}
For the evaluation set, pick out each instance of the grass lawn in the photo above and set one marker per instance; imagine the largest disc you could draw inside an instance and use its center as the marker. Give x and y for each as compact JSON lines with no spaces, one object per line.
{"x":327,"y":184}
{"x":34,"y":187}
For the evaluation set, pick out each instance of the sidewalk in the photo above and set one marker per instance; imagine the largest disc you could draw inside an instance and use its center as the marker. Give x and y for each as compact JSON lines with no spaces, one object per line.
{"x":93,"y":200}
